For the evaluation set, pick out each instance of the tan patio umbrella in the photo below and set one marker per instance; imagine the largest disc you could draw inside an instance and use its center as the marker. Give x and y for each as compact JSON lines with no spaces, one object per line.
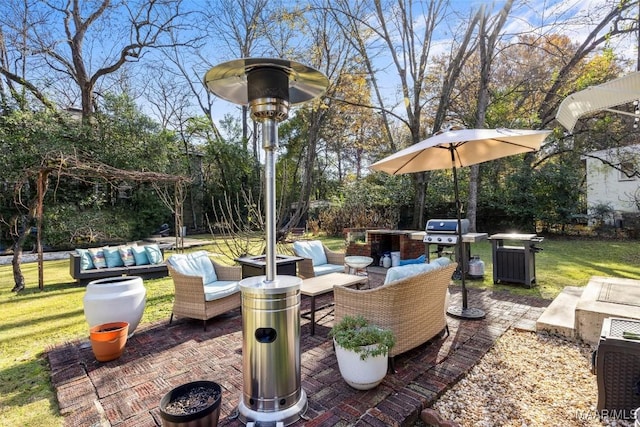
{"x":459,"y":148}
{"x":599,"y":98}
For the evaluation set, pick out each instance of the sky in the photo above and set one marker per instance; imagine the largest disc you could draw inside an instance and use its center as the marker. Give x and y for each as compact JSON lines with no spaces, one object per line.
{"x":533,"y":15}
{"x":578,"y":19}
{"x":540,"y":16}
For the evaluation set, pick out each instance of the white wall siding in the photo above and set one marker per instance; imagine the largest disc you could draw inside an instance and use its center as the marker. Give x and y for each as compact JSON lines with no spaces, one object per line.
{"x":606,"y":185}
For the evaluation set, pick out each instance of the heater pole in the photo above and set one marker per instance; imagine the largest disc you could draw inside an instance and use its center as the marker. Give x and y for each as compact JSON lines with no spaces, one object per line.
{"x":270,"y":145}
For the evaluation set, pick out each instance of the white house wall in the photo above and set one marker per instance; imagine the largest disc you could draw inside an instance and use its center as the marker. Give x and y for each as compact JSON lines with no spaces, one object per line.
{"x":605,"y":185}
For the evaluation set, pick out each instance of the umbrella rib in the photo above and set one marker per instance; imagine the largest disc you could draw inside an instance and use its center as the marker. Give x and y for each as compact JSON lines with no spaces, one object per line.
{"x":406,"y":163}
{"x":513,"y":143}
{"x":455,"y":146}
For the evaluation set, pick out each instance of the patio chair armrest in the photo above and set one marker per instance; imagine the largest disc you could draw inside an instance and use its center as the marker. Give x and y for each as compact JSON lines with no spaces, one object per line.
{"x":189,"y":288}
{"x":227,"y":272}
{"x":305,"y":268}
{"x":74,"y":265}
{"x":334,"y":257}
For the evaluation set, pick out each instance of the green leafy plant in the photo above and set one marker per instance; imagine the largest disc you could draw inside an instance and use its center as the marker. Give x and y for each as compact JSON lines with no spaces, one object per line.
{"x":356,"y":334}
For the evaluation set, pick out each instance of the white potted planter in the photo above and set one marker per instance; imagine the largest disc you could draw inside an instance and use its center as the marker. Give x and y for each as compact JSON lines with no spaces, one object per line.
{"x":115,"y":299}
{"x":361,"y":350}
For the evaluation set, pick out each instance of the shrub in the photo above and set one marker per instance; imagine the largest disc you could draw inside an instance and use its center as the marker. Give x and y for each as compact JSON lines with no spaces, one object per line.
{"x":356,"y":334}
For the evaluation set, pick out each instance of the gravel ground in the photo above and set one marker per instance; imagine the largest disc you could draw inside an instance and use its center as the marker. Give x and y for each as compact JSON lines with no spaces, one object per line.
{"x":527,"y":379}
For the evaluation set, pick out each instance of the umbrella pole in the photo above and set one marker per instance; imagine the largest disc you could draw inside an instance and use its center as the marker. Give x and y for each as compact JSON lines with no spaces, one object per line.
{"x":461,"y":261}
{"x":463,"y":312}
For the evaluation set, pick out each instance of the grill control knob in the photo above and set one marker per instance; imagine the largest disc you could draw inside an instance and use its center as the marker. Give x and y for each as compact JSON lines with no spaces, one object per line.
{"x":450,"y":239}
{"x":439,"y":239}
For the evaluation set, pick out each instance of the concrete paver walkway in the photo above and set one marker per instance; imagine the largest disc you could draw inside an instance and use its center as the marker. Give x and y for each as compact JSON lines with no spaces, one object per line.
{"x":127,"y":391}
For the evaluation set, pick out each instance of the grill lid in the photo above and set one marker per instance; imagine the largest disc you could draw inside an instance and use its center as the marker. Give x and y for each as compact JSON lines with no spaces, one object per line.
{"x":446,"y":226}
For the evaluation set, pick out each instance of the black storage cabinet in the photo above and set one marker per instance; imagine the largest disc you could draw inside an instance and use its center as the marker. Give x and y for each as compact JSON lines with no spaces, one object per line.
{"x":514,"y":264}
{"x":616,"y":362}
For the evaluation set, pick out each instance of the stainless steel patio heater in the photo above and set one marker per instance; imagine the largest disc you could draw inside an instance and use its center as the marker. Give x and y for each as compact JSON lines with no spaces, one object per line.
{"x":272,"y":394}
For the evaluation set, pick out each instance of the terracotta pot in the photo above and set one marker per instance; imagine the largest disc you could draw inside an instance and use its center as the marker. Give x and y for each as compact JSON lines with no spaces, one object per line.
{"x":206,"y":415}
{"x":108,"y":340}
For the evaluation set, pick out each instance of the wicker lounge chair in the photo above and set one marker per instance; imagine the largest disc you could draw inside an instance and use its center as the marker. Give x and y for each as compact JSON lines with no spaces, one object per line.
{"x":413,"y":307}
{"x":193,"y":300}
{"x":317,"y":259}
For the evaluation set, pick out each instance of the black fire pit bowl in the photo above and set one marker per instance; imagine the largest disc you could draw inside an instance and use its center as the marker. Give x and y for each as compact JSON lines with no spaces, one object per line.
{"x":207,"y":416}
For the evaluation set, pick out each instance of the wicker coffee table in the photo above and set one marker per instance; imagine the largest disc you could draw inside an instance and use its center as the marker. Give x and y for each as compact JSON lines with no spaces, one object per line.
{"x":324,"y":284}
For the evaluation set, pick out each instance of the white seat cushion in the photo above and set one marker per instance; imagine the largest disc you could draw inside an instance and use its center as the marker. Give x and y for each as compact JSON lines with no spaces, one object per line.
{"x":194,"y":264}
{"x":311,"y":249}
{"x":402,"y":272}
{"x":442,"y":261}
{"x":220,"y":289}
{"x":319,"y":270}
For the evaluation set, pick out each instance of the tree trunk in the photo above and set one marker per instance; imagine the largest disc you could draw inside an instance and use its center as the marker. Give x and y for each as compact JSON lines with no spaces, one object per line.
{"x":245,"y":128}
{"x":472,"y":203}
{"x":18,"y":277}
{"x":487,"y":45}
{"x":420,"y":184}
{"x":307,"y":182}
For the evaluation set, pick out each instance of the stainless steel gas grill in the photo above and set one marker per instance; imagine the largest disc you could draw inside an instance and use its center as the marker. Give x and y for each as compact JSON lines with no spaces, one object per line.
{"x":443,"y":234}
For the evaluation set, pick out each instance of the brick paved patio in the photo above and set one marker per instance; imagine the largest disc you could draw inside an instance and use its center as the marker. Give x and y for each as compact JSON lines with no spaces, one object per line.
{"x":126,"y":392}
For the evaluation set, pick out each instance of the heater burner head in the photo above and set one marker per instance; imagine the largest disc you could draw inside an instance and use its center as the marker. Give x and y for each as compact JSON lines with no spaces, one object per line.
{"x":244,"y":80}
{"x":269,"y":109}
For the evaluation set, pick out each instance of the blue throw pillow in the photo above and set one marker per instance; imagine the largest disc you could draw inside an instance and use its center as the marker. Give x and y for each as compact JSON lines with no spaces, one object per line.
{"x":97,"y":256}
{"x":153,"y":253}
{"x":86,"y":263}
{"x":140,"y":255}
{"x":421,"y":259}
{"x":112,"y":257}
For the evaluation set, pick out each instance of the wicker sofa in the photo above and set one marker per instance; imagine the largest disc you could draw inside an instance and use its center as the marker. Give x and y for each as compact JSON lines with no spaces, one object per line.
{"x":412,"y":307}
{"x":83,"y":277}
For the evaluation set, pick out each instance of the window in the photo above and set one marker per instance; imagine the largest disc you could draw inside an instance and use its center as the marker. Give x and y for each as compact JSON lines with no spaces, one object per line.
{"x":627,"y":171}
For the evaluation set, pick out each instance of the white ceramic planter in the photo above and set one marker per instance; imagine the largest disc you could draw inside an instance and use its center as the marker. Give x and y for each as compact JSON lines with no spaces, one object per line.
{"x":360,"y":374}
{"x":115,"y":299}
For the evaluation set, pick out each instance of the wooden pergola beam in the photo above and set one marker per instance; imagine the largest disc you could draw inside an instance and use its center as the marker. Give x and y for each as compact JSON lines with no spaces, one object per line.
{"x":74,"y":167}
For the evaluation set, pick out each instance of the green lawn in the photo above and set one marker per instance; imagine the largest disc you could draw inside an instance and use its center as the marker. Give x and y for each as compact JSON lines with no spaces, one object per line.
{"x":35,"y":320}
{"x":567,"y":263}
